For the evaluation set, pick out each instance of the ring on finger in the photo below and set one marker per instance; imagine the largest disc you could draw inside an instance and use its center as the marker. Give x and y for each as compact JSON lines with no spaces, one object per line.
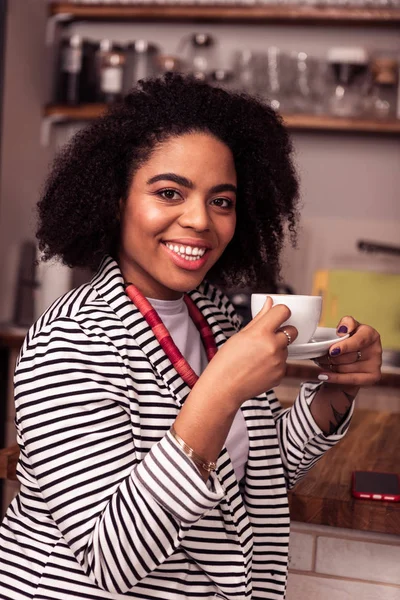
{"x":289,"y":337}
{"x":358,"y":355}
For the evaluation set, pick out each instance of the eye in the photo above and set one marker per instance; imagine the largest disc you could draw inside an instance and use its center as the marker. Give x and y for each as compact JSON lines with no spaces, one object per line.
{"x":169,"y":194}
{"x":223,"y":202}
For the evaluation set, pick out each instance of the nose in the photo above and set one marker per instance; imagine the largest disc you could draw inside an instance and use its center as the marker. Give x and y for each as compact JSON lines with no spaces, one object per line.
{"x":195,"y":215}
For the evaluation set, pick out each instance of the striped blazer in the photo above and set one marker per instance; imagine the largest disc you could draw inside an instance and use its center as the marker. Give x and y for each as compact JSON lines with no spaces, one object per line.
{"x":109,"y":507}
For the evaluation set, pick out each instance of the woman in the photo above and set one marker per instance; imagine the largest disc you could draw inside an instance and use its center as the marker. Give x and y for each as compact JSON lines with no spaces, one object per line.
{"x":153,"y":466}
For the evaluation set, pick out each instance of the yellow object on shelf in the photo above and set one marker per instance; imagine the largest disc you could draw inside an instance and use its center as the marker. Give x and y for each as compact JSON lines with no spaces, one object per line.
{"x":369,"y":297}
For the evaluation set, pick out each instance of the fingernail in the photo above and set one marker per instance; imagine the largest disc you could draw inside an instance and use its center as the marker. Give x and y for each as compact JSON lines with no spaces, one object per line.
{"x":323,"y":377}
{"x":342,"y":329}
{"x":335,"y":351}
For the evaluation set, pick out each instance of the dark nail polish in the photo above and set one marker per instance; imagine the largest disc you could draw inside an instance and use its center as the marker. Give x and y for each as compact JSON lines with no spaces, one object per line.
{"x":335,"y":351}
{"x":342,"y":329}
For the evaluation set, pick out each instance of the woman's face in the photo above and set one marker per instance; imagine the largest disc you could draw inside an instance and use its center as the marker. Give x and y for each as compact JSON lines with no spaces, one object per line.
{"x":179,"y":215}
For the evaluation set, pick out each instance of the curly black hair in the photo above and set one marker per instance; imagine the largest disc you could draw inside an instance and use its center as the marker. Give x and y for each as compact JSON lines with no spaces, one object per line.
{"x":79,"y":209}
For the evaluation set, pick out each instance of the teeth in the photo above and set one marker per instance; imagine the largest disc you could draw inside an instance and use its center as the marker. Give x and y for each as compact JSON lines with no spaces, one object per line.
{"x":187,"y":252}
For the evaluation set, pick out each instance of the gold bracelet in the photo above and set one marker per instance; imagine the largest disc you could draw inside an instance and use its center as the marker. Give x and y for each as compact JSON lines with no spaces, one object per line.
{"x":207,"y":466}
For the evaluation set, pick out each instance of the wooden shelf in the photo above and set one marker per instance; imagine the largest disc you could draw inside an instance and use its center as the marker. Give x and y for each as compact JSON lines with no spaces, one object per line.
{"x":83,"y":112}
{"x":227,"y":14}
{"x":327,"y":123}
{"x":86,"y":112}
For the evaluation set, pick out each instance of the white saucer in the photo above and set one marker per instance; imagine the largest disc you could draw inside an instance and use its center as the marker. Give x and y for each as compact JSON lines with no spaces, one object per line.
{"x":322,"y":340}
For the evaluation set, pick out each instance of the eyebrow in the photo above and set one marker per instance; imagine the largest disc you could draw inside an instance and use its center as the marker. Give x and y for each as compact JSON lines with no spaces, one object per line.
{"x":180,"y":180}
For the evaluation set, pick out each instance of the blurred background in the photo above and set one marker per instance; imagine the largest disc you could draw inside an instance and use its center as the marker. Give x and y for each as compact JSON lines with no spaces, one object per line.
{"x":331,"y":67}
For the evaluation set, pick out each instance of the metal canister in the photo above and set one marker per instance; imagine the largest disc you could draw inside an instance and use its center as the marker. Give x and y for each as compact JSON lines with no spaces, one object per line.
{"x":140,"y":63}
{"x":110,"y":62}
{"x":69,"y":73}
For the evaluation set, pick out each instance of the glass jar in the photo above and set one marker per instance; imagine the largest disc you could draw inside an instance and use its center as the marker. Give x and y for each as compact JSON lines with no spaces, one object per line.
{"x":140,"y":63}
{"x":350,"y":74}
{"x":383,"y":101}
{"x":245,"y":65}
{"x":274,"y":78}
{"x":223,"y":78}
{"x":199,"y":54}
{"x":167,"y":63}
{"x":109,"y":64}
{"x":309,"y":84}
{"x":111,"y":76}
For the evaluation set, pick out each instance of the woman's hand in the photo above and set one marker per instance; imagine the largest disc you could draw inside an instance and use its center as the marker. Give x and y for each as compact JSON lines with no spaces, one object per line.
{"x":253,"y":360}
{"x":356,"y":361}
{"x":249,"y":363}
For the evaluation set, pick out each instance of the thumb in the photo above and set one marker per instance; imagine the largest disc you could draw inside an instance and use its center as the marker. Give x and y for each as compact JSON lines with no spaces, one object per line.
{"x":266,"y":307}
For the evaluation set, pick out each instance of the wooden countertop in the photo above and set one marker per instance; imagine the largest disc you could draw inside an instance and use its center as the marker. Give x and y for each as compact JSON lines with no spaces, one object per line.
{"x":324,"y":497}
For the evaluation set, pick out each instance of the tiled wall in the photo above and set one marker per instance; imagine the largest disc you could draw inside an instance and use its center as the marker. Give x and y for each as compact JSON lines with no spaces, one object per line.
{"x":342,"y":564}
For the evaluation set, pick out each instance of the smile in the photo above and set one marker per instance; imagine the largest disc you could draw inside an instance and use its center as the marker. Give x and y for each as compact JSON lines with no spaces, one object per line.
{"x":189,"y":253}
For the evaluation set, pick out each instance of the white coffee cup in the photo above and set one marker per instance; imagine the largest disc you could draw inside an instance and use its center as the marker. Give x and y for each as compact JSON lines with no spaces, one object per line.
{"x":306,"y":312}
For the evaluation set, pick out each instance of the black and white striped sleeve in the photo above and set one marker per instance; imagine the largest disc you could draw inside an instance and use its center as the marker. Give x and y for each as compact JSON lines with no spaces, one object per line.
{"x":122,"y":517}
{"x":302,"y":443}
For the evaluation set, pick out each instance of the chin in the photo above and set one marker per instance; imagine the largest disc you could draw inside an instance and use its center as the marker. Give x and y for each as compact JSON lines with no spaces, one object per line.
{"x":187,"y":286}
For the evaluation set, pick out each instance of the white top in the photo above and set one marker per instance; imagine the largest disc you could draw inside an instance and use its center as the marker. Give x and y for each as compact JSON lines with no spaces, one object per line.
{"x":175,"y":316}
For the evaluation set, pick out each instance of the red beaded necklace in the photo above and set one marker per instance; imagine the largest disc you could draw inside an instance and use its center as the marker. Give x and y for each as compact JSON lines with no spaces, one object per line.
{"x":164,"y":338}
